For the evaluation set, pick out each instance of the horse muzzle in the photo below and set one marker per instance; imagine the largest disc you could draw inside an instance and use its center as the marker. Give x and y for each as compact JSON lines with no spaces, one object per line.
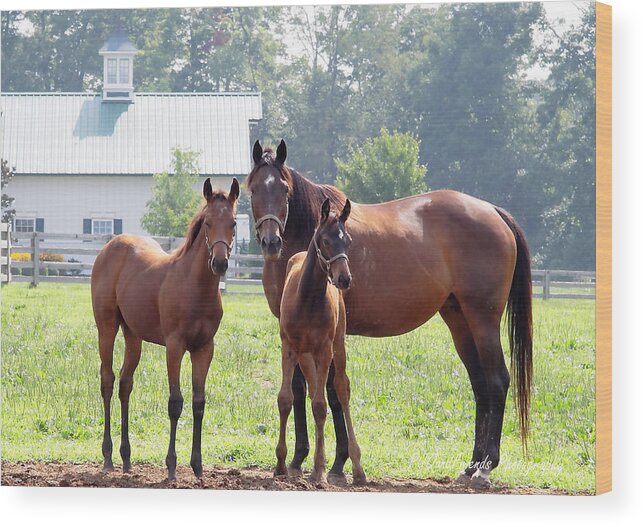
{"x":271,"y":247}
{"x":343,"y":281}
{"x":219,"y":267}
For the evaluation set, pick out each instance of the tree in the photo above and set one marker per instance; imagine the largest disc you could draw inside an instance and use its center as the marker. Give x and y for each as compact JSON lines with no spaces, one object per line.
{"x":567,"y":118}
{"x":464,"y":94}
{"x":7,"y":175}
{"x":174,"y":201}
{"x":385,"y":168}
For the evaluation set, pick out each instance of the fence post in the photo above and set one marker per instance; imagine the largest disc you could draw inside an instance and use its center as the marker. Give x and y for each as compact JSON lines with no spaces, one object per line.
{"x":546,"y":284}
{"x":35,"y":245}
{"x":6,"y":252}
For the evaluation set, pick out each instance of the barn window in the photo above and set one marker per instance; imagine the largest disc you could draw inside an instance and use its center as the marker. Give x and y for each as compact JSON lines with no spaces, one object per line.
{"x":24,"y":225}
{"x":102,"y":226}
{"x":111,"y":71}
{"x":123,"y":71}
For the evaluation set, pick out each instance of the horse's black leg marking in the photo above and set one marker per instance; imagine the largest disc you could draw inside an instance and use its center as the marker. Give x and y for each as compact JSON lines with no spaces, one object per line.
{"x":174,"y":409}
{"x":341,"y":452}
{"x":465,"y":345}
{"x":302,"y":447}
{"x":497,"y":387}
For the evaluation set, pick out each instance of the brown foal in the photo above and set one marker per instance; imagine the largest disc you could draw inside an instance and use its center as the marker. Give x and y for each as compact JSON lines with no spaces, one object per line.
{"x":313,"y":327}
{"x":168,"y":299}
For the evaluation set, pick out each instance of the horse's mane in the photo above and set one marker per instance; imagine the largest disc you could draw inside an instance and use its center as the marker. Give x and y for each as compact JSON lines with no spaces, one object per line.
{"x":305,"y":205}
{"x":195,"y":225}
{"x":305,"y":198}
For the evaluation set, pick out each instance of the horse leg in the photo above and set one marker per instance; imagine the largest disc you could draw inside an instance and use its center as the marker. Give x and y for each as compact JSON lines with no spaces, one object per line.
{"x":302,"y":446}
{"x":175,"y":351}
{"x":485,"y":328}
{"x":106,"y":337}
{"x":451,"y":313}
{"x":285,"y":403}
{"x":316,"y":373}
{"x":336,"y":473}
{"x":201,"y":360}
{"x":342,"y":385}
{"x":133,"y":346}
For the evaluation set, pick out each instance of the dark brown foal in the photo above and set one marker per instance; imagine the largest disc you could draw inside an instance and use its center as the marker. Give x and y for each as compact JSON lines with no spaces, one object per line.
{"x":313,"y":327}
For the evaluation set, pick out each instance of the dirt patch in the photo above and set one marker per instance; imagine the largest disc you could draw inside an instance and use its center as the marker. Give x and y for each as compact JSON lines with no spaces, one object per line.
{"x":217,"y":478}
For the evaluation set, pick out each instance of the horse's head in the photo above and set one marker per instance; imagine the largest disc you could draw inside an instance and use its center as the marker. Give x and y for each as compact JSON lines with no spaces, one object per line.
{"x":219,"y":223}
{"x":331,"y":243}
{"x":269,"y":184}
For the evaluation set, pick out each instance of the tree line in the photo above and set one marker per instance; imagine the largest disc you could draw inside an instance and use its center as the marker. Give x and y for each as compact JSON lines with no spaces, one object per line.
{"x":337,"y":81}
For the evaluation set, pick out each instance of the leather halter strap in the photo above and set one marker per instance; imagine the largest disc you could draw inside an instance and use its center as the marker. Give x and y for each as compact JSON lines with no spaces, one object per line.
{"x":276,"y":219}
{"x":326,"y":262}
{"x":210,"y":246}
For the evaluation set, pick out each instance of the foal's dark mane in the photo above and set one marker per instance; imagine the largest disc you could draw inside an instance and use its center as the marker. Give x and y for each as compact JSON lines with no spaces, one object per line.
{"x":195,"y":226}
{"x":304,"y":202}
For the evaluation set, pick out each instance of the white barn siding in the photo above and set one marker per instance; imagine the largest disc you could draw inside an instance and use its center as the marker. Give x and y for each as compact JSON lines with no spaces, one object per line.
{"x":64,"y":201}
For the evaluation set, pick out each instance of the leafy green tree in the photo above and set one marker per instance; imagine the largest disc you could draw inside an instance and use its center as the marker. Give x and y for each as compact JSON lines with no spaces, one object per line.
{"x":567,"y":118}
{"x":174,"y":201}
{"x":384,"y":168}
{"x":7,"y":175}
{"x":465,"y":95}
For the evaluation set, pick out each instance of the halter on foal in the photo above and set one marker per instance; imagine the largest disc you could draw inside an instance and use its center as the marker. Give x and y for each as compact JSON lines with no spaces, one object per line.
{"x":313,"y":326}
{"x":168,"y":299}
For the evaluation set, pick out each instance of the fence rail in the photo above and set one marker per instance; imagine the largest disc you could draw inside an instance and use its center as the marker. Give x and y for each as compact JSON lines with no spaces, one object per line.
{"x":244,"y":269}
{"x":40,"y":252}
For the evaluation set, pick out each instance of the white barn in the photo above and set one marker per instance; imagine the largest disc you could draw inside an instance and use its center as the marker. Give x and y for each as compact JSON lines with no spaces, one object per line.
{"x":84,"y":161}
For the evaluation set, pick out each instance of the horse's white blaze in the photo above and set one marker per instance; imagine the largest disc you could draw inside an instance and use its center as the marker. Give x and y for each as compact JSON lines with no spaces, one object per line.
{"x":269,"y":180}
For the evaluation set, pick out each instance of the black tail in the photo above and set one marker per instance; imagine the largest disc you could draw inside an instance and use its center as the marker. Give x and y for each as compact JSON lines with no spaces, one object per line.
{"x":519,"y":322}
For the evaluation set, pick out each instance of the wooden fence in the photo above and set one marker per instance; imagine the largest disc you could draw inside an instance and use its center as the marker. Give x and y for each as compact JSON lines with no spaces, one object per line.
{"x":39,"y":252}
{"x":39,"y":257}
{"x":5,"y":252}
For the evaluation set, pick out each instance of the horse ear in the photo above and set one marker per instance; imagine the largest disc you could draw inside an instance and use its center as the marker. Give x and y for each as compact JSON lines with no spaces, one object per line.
{"x":257,"y":152}
{"x":325,"y":210}
{"x":207,"y":189}
{"x":346,"y":212}
{"x":234,"y":191}
{"x":282,"y":152}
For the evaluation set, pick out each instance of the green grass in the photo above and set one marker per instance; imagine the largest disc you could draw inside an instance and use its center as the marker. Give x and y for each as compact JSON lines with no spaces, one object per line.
{"x":411,"y":399}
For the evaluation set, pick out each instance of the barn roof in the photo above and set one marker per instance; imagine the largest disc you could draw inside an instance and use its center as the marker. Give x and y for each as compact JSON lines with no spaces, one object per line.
{"x":118,"y":42}
{"x":75,"y":133}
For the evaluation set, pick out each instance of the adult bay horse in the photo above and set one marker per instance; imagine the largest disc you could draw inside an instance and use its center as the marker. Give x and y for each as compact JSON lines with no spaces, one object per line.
{"x":168,"y":299}
{"x":313,"y":327}
{"x":411,"y":258}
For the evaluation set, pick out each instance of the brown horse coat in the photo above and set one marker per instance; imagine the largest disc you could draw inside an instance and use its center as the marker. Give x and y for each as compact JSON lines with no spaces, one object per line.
{"x":168,"y":299}
{"x":442,"y":251}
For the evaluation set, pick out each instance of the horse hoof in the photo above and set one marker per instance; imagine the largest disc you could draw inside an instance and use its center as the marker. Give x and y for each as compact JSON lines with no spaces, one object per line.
{"x":108,"y":467}
{"x":337,"y":479}
{"x":280,"y":472}
{"x":463,"y":479}
{"x":359,"y":480}
{"x":480,"y":480}
{"x":295,"y":472}
{"x":317,"y":479}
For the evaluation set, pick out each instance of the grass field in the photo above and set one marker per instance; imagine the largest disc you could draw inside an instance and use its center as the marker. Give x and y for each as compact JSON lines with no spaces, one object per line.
{"x":411,"y":399}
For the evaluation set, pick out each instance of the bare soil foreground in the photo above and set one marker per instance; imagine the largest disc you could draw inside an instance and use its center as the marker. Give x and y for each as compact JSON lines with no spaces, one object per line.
{"x":218,"y":478}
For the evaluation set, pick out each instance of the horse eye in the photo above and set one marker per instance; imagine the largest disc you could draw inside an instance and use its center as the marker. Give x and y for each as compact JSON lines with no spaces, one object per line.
{"x":325,"y":242}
